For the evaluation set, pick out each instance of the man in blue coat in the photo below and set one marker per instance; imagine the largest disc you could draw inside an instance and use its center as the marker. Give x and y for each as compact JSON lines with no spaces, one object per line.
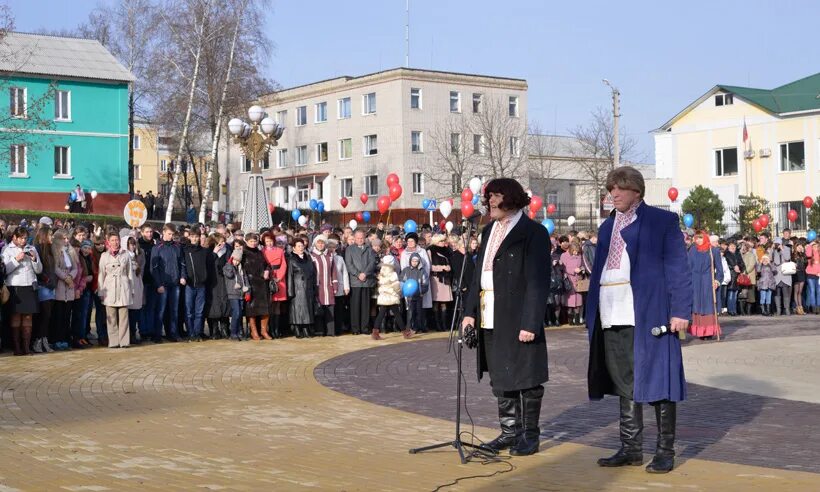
{"x":640,"y":296}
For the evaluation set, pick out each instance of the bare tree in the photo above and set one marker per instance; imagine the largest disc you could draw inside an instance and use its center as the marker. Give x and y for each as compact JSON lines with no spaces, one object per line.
{"x":453,"y":158}
{"x":543,"y":161}
{"x":505,"y":141}
{"x":595,"y":152}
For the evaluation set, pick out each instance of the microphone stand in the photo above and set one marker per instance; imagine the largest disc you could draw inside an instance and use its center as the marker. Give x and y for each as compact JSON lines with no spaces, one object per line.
{"x":457,"y":334}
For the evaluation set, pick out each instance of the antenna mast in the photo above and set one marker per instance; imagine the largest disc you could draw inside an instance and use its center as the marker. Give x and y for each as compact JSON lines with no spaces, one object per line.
{"x":407,"y":36}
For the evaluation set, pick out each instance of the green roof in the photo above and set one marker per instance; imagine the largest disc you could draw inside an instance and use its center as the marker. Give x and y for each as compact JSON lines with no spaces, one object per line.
{"x":800,"y":95}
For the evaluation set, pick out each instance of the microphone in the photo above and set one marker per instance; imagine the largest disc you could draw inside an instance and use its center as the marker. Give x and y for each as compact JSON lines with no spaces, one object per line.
{"x":476,"y":214}
{"x":657,"y":331}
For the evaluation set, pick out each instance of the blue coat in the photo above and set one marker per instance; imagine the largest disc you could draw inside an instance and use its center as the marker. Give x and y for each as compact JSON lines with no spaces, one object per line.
{"x":662,"y":289}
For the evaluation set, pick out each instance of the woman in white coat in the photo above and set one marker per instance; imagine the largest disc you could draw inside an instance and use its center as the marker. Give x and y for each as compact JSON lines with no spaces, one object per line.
{"x":116,"y":291}
{"x":137,"y":257}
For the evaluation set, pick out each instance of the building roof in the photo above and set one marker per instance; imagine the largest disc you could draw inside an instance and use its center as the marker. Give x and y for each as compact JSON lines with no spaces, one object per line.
{"x":794,"y":97}
{"x":56,"y":56}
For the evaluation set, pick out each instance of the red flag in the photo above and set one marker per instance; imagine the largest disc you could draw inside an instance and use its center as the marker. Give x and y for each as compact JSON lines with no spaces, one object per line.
{"x":745,"y":132}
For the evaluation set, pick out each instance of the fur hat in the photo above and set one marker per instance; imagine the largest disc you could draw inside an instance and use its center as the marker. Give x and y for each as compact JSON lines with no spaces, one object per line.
{"x":388,"y":260}
{"x":319,"y":237}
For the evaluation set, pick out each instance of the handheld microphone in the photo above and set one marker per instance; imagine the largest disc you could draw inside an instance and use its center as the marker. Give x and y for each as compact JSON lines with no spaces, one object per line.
{"x":657,"y":331}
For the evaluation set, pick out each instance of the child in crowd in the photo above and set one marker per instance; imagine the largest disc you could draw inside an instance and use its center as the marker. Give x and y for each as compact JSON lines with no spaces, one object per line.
{"x":766,"y":272}
{"x":415,"y":311}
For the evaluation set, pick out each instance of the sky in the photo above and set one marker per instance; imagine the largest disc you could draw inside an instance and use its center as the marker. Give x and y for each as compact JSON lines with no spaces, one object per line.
{"x":660,"y":55}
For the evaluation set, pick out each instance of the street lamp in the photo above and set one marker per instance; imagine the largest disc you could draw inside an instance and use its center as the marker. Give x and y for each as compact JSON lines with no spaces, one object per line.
{"x":255,"y":140}
{"x":616,"y":102}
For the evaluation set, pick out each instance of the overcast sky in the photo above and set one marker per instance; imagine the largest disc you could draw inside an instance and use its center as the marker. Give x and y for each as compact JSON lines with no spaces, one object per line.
{"x":661,"y":55}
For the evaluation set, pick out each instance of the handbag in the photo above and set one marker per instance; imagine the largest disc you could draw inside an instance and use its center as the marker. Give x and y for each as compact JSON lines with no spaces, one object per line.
{"x":567,"y":285}
{"x":788,"y":268}
{"x":582,"y":285}
{"x":273,"y":285}
{"x":743,"y":280}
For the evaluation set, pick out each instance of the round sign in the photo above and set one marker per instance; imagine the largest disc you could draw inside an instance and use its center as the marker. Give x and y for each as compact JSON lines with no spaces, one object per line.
{"x":135,"y":213}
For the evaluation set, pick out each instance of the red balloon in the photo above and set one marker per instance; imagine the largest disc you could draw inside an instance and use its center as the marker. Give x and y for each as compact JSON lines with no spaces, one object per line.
{"x":551,"y":208}
{"x":532,"y":213}
{"x":271,"y":207}
{"x":392,"y":179}
{"x":764,"y":220}
{"x":467,"y":195}
{"x":536,"y":203}
{"x":363,"y":198}
{"x":359,"y":217}
{"x":757,"y":225}
{"x":343,"y":202}
{"x":395,"y":191}
{"x":808,"y":202}
{"x":792,"y":215}
{"x":452,"y":201}
{"x":442,"y":224}
{"x":384,"y":204}
{"x":672,"y":193}
{"x":467,"y":209}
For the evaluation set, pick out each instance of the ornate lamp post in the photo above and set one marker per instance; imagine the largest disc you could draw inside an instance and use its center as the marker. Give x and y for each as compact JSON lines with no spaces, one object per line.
{"x":255,"y":140}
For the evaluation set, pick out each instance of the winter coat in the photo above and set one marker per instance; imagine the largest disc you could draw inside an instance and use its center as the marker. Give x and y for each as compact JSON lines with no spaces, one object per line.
{"x":216,"y":291}
{"x":235,"y":280}
{"x":196,"y":265}
{"x":457,"y":261}
{"x":766,"y":275}
{"x":440,"y":278}
{"x":302,"y":289}
{"x":137,"y":271}
{"x":420,"y":276}
{"x":361,"y":260}
{"x":21,"y":273}
{"x":388,"y":286}
{"x":704,"y":271}
{"x":147,"y":248}
{"x":570,"y":262}
{"x":114,"y":281}
{"x":734,"y":260}
{"x":254,"y":266}
{"x":167,"y":264}
{"x":404,"y":261}
{"x":325,"y":277}
{"x":588,"y":254}
{"x":750,"y":265}
{"x":342,"y":278}
{"x":778,"y":258}
{"x":275,"y":257}
{"x":66,"y":292}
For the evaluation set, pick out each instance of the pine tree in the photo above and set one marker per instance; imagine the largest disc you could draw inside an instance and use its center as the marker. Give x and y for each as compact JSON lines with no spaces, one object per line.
{"x":707,"y":209}
{"x":751,"y":207}
{"x":814,"y":215}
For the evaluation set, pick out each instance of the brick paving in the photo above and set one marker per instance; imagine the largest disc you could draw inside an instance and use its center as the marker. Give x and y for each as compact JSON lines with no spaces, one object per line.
{"x":252,"y":416}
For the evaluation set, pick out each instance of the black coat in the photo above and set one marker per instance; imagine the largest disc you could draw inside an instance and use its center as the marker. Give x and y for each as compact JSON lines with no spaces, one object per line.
{"x":457,"y":260}
{"x":521,"y":278}
{"x":301,"y":289}
{"x":217,"y":294}
{"x":734,"y":260}
{"x":254,"y":266}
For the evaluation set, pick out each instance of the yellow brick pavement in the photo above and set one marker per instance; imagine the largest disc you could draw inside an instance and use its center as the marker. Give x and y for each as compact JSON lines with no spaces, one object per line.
{"x":251,"y":416}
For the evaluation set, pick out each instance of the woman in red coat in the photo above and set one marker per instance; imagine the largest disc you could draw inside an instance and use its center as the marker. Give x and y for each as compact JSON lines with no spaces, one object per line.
{"x":275,"y":257}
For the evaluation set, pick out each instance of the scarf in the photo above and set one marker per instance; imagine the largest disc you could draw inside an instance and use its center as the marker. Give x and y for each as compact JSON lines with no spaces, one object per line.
{"x":617,"y":244}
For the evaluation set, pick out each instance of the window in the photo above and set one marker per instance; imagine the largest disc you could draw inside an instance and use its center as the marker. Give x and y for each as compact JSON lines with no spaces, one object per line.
{"x":137,"y":143}
{"x":455,"y":102}
{"x":303,"y":193}
{"x":165,"y":188}
{"x":782,"y":214}
{"x":792,"y":156}
{"x":137,"y":171}
{"x":321,"y":112}
{"x":281,"y":158}
{"x":62,"y":162}
{"x":513,"y":105}
{"x":455,"y":183}
{"x":321,"y":152}
{"x":344,"y":108}
{"x":17,"y":104}
{"x":345,"y":187}
{"x":477,"y":98}
{"x":282,"y":117}
{"x":515,"y":147}
{"x":62,"y":105}
{"x":415,"y":98}
{"x":301,"y":116}
{"x":478,"y":144}
{"x":345,"y":148}
{"x":246,"y":165}
{"x":726,"y":162}
{"x":552,"y":197}
{"x":163,"y":166}
{"x":416,"y":143}
{"x":19,"y":166}
{"x":265,"y":163}
{"x":418,"y":183}
{"x":455,"y":143}
{"x":371,"y":185}
{"x":320,"y":191}
{"x":724,"y":99}
{"x":371,"y":146}
{"x":301,"y":155}
{"x":369,"y":103}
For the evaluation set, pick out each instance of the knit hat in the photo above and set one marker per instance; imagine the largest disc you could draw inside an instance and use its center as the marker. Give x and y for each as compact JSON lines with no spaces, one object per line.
{"x":388,"y":260}
{"x":46,"y":221}
{"x":413,"y":236}
{"x":88,"y":243}
{"x":415,"y":256}
{"x":778,"y":240}
{"x":319,"y":237}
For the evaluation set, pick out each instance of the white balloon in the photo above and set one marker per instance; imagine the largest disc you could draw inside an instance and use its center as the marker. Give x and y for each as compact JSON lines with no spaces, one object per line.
{"x":93,"y":194}
{"x":445,"y":208}
{"x":449,"y":226}
{"x":475,"y":185}
{"x":353,"y":224}
{"x":529,"y":193}
{"x":303,"y":220}
{"x":570,"y":220}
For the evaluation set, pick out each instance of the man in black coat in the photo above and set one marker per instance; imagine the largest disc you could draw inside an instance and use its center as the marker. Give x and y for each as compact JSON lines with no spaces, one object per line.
{"x":506,"y":303}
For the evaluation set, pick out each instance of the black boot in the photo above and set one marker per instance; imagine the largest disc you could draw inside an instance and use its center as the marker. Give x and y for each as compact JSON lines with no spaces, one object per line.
{"x":631,"y":425}
{"x":529,"y":440}
{"x":296,"y":331}
{"x":742,"y":308}
{"x":509,"y":416}
{"x":664,"y":460}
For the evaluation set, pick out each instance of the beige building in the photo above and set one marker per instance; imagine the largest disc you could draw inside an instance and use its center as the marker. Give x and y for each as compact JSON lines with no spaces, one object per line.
{"x":192,"y":179}
{"x":778,"y":159}
{"x":344,"y":136}
{"x":146,"y":158}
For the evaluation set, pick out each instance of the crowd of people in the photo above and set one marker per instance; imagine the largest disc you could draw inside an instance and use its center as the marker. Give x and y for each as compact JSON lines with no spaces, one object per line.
{"x":199,"y":282}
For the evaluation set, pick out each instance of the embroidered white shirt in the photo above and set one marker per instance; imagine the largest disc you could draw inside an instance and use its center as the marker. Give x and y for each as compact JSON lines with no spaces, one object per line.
{"x":616,"y":302}
{"x":488,"y":300}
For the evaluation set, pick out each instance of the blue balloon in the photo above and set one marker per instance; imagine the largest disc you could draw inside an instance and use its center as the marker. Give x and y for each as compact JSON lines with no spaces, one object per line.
{"x":425,"y":203}
{"x":688,"y":220}
{"x":314,"y":204}
{"x":476,"y":199}
{"x":811,"y":236}
{"x":410,"y":226}
{"x":410,"y":287}
{"x":366,"y":216}
{"x":549,"y":224}
{"x":296,"y":214}
{"x":321,"y":207}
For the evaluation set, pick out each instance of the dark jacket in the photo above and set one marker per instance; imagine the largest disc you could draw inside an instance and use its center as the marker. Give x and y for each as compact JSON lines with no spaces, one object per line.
{"x":361,"y":260}
{"x":301,"y":289}
{"x":521,"y":277}
{"x":456,"y":262}
{"x":216,"y":292}
{"x":254,"y":266}
{"x":147,"y":247}
{"x":167,"y":264}
{"x":234,"y":281}
{"x":417,"y":274}
{"x":196,"y":265}
{"x":734,"y":260}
